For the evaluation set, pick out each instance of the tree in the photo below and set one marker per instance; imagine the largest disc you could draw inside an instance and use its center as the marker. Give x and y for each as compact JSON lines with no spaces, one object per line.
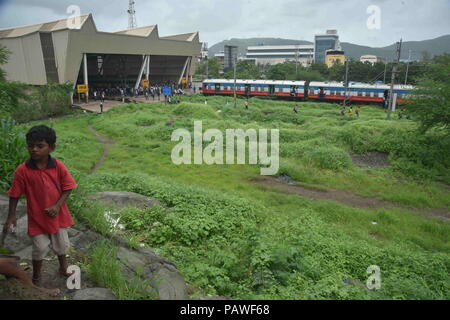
{"x":431,"y":100}
{"x":213,"y":68}
{"x":4,"y":54}
{"x":245,"y":69}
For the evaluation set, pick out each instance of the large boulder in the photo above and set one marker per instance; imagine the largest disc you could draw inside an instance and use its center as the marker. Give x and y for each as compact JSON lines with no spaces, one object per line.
{"x":120,"y":199}
{"x":19,"y":240}
{"x":4,"y":208}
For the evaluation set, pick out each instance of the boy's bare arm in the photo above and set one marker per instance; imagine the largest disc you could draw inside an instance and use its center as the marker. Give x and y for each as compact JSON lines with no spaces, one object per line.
{"x":11,"y":220}
{"x":53,"y":210}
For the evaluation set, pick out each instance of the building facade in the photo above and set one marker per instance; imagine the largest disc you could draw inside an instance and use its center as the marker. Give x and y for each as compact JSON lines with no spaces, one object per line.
{"x":73,"y":50}
{"x":325,"y":42}
{"x":333,"y":57}
{"x":371,"y":59}
{"x":301,"y":54}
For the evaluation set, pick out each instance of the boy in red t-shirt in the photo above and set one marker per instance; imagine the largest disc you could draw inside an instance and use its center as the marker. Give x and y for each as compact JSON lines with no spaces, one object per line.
{"x":47,"y":183}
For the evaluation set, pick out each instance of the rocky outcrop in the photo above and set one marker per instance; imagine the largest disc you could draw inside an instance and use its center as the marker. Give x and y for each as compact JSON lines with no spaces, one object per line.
{"x":120,"y":199}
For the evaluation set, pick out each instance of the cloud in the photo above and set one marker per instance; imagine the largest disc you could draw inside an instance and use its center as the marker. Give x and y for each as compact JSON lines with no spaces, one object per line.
{"x":217,"y":20}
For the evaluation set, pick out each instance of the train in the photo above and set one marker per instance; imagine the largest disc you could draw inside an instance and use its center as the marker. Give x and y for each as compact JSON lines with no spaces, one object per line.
{"x":308,"y":90}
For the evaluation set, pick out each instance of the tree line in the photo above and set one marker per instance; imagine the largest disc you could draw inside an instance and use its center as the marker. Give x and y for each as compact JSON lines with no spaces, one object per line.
{"x":358,"y":71}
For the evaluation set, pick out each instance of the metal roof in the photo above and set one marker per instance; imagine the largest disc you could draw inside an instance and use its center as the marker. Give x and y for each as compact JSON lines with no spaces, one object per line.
{"x":63,"y":24}
{"x":77,"y":23}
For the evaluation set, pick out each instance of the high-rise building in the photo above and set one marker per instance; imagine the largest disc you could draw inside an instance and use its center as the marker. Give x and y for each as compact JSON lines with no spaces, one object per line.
{"x":325,"y":42}
{"x":230,"y":56}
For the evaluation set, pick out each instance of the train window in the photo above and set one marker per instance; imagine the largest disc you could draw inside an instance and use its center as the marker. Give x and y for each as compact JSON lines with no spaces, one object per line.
{"x":360,"y":93}
{"x":367,"y":94}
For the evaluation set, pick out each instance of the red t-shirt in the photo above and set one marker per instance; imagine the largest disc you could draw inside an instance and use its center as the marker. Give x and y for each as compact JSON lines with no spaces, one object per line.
{"x":43,"y":188}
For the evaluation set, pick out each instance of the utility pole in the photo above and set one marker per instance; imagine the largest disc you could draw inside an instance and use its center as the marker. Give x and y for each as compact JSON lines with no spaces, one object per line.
{"x":235,"y":62}
{"x":394,"y":72}
{"x":346,"y":82}
{"x":407,"y":67}
{"x":385,"y":69}
{"x":296,"y":61}
{"x":132,"y":24}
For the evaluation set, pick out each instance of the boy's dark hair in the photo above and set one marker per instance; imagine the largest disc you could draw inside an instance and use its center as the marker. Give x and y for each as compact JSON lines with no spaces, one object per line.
{"x":41,"y":133}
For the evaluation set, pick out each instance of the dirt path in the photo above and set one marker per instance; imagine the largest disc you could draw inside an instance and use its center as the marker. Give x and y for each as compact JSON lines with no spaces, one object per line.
{"x":107,"y":145}
{"x":344,"y":197}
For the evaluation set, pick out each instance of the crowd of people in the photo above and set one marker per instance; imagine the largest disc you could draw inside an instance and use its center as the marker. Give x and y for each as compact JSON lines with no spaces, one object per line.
{"x":155,"y":91}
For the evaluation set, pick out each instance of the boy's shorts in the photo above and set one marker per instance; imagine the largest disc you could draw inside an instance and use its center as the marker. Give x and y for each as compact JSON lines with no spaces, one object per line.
{"x":59,"y":241}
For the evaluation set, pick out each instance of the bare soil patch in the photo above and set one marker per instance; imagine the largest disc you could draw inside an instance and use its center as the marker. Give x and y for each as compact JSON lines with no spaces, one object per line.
{"x":107,"y":145}
{"x":371,"y":159}
{"x":287,"y":185}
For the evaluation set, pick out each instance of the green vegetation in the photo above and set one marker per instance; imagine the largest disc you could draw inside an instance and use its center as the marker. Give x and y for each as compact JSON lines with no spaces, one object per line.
{"x":105,"y":269}
{"x":230,"y":236}
{"x":431,"y":106}
{"x":13,"y":150}
{"x":26,"y":103}
{"x":234,"y":234}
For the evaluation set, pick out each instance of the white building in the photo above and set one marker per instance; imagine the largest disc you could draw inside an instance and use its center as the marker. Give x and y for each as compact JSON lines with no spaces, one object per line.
{"x":302,"y":54}
{"x":370,"y":58}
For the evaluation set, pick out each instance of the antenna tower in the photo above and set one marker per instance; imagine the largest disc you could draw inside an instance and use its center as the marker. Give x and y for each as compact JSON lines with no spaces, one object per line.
{"x":132,"y":24}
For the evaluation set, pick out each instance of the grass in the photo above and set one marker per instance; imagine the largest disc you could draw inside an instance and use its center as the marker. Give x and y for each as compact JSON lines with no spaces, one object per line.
{"x":229,"y":236}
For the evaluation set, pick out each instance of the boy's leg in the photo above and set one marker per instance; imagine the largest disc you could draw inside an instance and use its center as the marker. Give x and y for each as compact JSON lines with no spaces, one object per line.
{"x":40,"y":249}
{"x":60,"y":244}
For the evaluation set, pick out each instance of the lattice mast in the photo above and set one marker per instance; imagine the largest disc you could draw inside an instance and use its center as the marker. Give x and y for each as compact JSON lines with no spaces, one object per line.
{"x":132,"y":24}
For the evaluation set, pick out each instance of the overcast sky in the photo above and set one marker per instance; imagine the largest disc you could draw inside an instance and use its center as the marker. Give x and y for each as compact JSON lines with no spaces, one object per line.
{"x":218,"y":20}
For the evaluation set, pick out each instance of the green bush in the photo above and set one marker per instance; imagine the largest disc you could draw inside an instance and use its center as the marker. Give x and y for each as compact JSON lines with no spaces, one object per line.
{"x":13,"y":151}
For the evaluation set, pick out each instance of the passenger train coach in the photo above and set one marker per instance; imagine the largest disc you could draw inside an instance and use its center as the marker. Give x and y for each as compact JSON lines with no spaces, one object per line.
{"x":323,"y":91}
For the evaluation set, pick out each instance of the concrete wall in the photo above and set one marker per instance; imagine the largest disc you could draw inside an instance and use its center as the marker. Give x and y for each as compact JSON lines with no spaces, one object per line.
{"x":26,"y":63}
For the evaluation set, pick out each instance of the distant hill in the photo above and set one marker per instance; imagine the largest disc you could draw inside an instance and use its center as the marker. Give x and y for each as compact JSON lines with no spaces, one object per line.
{"x":434,"y":47}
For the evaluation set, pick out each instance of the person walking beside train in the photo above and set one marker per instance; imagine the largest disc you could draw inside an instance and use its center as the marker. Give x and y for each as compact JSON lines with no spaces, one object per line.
{"x":296,"y":108}
{"x":350,"y":112}
{"x":343,"y":111}
{"x":246,"y":104}
{"x":357,"y":111}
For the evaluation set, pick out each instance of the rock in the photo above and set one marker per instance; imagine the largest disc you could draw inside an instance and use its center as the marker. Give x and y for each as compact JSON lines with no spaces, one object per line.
{"x":20,"y":239}
{"x":94,"y":294}
{"x":214,"y":298}
{"x":84,"y":240}
{"x":4,"y":208}
{"x":163,"y":279}
{"x":170,"y":285}
{"x":125,"y":199}
{"x":24,"y":254}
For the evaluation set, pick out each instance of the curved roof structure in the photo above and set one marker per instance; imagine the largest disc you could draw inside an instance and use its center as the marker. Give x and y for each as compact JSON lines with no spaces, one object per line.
{"x":54,"y":50}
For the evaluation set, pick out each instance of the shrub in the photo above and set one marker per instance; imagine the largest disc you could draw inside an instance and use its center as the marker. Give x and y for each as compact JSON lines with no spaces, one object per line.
{"x":13,"y":151}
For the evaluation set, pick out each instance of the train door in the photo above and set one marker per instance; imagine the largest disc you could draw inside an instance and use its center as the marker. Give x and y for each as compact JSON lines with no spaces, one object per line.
{"x":271,"y":89}
{"x":294,"y":91}
{"x":321,"y":93}
{"x":247,"y":89}
{"x":217,"y":87}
